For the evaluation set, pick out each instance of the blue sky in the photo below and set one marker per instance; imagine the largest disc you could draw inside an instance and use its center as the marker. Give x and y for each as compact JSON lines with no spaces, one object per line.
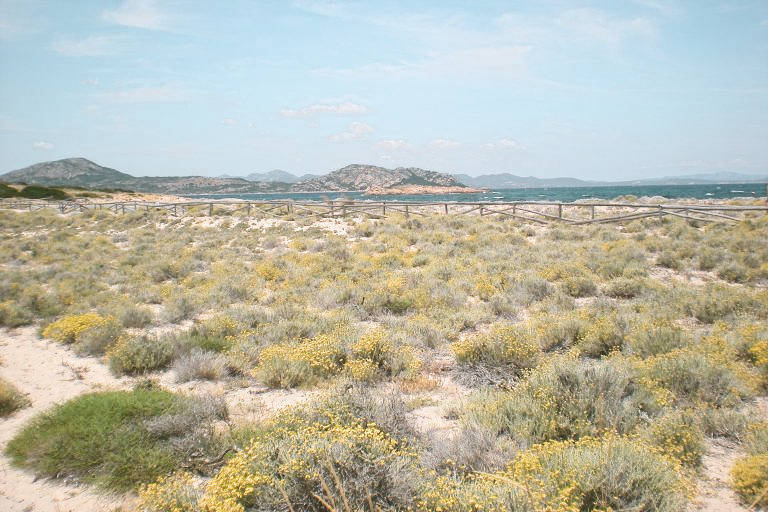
{"x":598,"y":90}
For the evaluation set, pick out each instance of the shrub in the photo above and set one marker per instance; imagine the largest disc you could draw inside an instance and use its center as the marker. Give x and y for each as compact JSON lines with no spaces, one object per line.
{"x":374,"y":346}
{"x":579,"y":286}
{"x":678,"y":435}
{"x":718,"y":301}
{"x":101,"y":438}
{"x":502,"y":345}
{"x":11,"y":399}
{"x":604,"y":334}
{"x":695,"y":378}
{"x":200,"y":365}
{"x":756,"y":439}
{"x":69,"y":328}
{"x":139,"y":354}
{"x":135,"y":316}
{"x":567,"y":399}
{"x":330,"y":462}
{"x":655,"y":337}
{"x":13,"y":315}
{"x":590,"y":474}
{"x":733,"y":272}
{"x":601,"y":474}
{"x":38,"y":192}
{"x":179,"y":492}
{"x":289,"y":365}
{"x":749,"y":478}
{"x":96,"y":340}
{"x":669,"y":260}
{"x":623,"y":288}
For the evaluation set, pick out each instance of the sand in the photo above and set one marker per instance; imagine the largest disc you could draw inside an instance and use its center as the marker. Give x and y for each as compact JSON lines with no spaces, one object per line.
{"x":49,"y":374}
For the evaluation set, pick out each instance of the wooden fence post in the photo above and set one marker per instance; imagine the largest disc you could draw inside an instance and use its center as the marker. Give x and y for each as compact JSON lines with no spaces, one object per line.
{"x":210,"y":209}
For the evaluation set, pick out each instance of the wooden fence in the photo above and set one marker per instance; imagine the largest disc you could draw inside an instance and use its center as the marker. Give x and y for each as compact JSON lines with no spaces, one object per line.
{"x":541,"y":212}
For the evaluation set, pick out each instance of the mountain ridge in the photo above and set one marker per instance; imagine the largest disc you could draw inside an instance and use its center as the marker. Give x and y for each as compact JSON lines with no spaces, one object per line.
{"x":81,"y":172}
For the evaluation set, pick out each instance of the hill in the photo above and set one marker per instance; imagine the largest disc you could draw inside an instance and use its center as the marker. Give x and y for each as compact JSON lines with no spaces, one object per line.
{"x":81,"y":172}
{"x":77,"y":172}
{"x":359,"y":177}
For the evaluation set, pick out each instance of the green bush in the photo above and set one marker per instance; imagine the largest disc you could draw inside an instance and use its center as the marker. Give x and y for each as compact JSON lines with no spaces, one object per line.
{"x":11,"y":399}
{"x":133,"y":355}
{"x":38,"y":192}
{"x":6,"y":191}
{"x":105,"y":438}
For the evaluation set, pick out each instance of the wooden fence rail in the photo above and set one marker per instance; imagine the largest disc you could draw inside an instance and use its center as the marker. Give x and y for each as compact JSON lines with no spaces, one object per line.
{"x":541,"y":212}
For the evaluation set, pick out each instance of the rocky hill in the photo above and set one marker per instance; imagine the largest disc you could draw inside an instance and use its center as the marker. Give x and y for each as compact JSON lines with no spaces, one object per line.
{"x":81,"y":172}
{"x":358,"y":177}
{"x":76,"y":172}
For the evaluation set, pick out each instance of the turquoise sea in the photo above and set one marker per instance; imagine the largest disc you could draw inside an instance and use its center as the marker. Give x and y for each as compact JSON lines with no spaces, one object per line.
{"x":564,"y":194}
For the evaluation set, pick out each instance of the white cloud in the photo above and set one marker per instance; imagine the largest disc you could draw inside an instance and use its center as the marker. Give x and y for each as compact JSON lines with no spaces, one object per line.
{"x":41,"y":144}
{"x":596,"y":26}
{"x":444,"y":144}
{"x":90,"y":81}
{"x":160,"y":94}
{"x":355,"y":131}
{"x":138,"y":13}
{"x":89,"y":47}
{"x":391,"y":144}
{"x":346,"y":108}
{"x":504,"y":143}
{"x":229,"y":121}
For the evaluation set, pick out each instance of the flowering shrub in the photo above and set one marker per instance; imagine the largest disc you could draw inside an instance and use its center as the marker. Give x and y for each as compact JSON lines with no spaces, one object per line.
{"x":179,"y":492}
{"x":678,"y":436}
{"x":313,"y":464}
{"x":749,"y":478}
{"x":288,"y":365}
{"x":502,"y":345}
{"x":613,"y":473}
{"x":567,"y":398}
{"x":69,"y":328}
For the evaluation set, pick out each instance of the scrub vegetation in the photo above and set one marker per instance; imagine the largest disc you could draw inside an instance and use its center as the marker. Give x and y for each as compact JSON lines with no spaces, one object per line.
{"x":572,"y":368}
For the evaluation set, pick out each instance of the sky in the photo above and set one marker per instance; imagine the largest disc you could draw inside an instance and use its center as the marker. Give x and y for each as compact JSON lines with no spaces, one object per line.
{"x":604,"y":90}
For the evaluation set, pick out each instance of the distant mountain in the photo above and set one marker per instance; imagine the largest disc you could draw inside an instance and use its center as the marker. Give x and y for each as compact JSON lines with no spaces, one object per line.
{"x":80,"y":172}
{"x":277,"y":175}
{"x":507,"y":180}
{"x":357,"y":177}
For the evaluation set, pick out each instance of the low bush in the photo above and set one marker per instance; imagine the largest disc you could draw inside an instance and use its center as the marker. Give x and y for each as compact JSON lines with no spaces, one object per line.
{"x":749,"y":478}
{"x":694,"y":378}
{"x":102,"y":438}
{"x":613,"y":473}
{"x":623,"y":288}
{"x":654,"y":337}
{"x":133,"y":355}
{"x":69,"y":328}
{"x":332,"y":461}
{"x":289,"y":365}
{"x":39,"y":192}
{"x":579,"y":286}
{"x":13,"y":315}
{"x":179,"y":492}
{"x":604,"y":334}
{"x":568,"y":398}
{"x":200,"y":365}
{"x":678,"y":435}
{"x":133,"y":316}
{"x":11,"y":399}
{"x":502,"y":345}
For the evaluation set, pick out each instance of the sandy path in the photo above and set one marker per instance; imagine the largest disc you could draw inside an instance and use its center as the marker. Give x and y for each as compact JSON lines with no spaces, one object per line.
{"x":48,"y":373}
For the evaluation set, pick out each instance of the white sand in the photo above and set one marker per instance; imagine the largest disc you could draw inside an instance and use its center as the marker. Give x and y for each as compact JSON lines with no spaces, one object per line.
{"x":48,"y":374}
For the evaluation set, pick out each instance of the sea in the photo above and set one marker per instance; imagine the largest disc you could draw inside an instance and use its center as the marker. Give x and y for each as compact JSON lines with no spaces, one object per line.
{"x":557,"y":194}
